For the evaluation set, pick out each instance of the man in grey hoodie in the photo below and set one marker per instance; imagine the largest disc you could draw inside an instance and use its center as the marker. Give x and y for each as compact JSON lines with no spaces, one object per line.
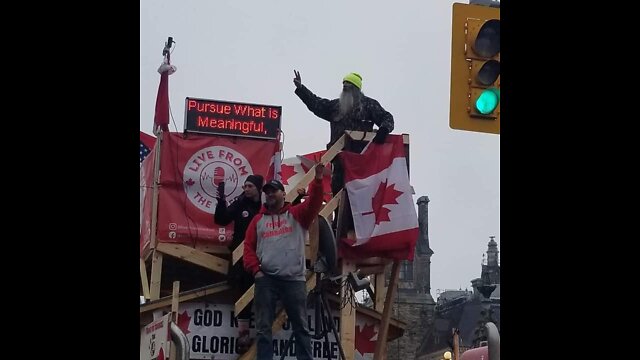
{"x":274,"y":253}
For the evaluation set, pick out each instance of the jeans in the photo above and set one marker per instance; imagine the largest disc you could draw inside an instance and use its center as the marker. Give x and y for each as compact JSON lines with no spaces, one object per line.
{"x":293,"y":295}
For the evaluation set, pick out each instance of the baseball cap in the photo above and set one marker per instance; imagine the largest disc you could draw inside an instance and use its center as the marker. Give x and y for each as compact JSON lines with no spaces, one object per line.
{"x":275,"y":184}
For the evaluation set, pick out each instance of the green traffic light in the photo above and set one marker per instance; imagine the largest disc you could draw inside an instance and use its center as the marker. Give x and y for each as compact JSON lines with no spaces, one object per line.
{"x":488,"y":101}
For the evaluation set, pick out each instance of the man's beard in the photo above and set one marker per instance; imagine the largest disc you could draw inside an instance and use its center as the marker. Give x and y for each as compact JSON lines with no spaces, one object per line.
{"x":273,"y":203}
{"x":348,"y":100}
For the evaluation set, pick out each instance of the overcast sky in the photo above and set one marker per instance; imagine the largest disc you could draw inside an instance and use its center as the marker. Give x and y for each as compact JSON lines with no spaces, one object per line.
{"x":246,"y":51}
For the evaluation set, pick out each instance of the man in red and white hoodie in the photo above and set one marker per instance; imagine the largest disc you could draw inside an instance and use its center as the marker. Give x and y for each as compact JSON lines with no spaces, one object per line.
{"x":274,"y":253}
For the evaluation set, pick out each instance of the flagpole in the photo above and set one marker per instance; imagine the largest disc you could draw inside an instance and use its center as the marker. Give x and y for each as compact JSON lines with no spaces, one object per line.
{"x":157,"y":130}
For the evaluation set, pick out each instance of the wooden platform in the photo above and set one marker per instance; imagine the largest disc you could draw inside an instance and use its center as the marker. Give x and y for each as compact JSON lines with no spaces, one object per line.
{"x":201,"y":271}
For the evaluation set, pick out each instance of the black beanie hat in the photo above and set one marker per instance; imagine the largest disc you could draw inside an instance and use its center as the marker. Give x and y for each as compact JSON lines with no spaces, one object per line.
{"x":256,"y":180}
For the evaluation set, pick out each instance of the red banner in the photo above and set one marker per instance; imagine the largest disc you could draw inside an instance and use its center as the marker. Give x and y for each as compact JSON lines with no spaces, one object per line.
{"x":191,"y":169}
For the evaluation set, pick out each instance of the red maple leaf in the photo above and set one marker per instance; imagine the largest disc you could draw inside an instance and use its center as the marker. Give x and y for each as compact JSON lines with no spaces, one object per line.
{"x":384,"y":196}
{"x":183,"y":322}
{"x":190,"y":182}
{"x":286,"y":172}
{"x":363,"y":339}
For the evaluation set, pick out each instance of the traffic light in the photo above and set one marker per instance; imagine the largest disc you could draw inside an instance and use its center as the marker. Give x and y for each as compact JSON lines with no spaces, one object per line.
{"x":475,"y":69}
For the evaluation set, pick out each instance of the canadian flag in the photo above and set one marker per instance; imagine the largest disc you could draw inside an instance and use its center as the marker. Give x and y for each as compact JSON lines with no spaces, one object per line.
{"x":293,"y":169}
{"x":384,"y":217}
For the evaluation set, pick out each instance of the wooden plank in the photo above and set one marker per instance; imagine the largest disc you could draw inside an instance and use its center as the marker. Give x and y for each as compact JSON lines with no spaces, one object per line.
{"x":380,"y":352}
{"x":347,"y":318}
{"x":194,"y":256}
{"x":245,"y":299}
{"x":332,"y":204}
{"x":175,"y":299}
{"x":213,"y":249}
{"x":156,"y":183}
{"x":306,"y":179}
{"x":343,"y":206}
{"x":237,"y":253}
{"x":185,"y":296}
{"x":145,"y":280}
{"x":281,"y":319}
{"x":156,"y":274}
{"x":380,"y":291}
{"x":174,"y":314}
{"x":146,"y":252}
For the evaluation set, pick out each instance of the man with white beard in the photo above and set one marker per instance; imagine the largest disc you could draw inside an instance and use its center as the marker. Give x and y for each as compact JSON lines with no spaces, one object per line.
{"x":351,"y":111}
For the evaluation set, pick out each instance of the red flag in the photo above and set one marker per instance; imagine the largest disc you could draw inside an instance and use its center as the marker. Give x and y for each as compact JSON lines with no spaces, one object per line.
{"x":161,"y":118}
{"x":384,"y":216}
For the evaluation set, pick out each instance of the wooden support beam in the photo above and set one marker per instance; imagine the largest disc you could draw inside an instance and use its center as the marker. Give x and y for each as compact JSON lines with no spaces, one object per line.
{"x":213,"y":249}
{"x":380,"y":291}
{"x":185,"y":296}
{"x":175,"y":299}
{"x":145,"y":280}
{"x":194,"y":256}
{"x":332,"y":204}
{"x":237,"y":253}
{"x":306,"y":179}
{"x":156,"y":191}
{"x":342,"y":229}
{"x":380,"y":352}
{"x":156,"y":274}
{"x":347,"y":318}
{"x":174,"y":315}
{"x":245,"y":299}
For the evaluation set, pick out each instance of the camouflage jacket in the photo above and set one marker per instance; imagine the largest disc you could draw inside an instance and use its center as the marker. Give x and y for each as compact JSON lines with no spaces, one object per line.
{"x":360,"y":118}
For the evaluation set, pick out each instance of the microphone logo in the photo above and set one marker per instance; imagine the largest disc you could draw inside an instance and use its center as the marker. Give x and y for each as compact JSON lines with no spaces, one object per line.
{"x":203,"y":174}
